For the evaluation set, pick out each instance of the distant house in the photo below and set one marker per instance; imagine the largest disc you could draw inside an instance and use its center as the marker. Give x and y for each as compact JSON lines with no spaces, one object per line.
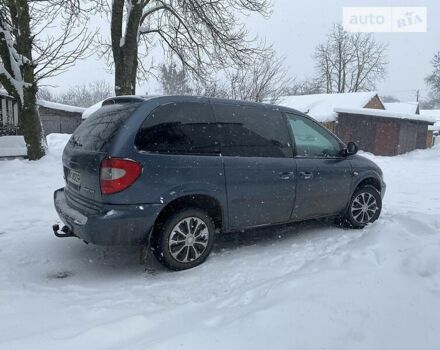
{"x":433,"y":130}
{"x":363,"y":117}
{"x":55,"y":117}
{"x":8,"y":114}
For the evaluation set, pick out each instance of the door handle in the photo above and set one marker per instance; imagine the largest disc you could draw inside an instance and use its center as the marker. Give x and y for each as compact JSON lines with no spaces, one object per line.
{"x":286,"y":175}
{"x":306,"y":175}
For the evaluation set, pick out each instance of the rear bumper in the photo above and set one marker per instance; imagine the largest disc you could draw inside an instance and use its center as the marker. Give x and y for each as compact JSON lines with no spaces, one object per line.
{"x":113,"y":225}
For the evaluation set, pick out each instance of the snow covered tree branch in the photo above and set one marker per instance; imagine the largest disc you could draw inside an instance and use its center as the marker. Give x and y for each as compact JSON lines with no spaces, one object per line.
{"x":27,"y":55}
{"x":11,"y":62}
{"x":202,"y":34}
{"x":433,"y":81}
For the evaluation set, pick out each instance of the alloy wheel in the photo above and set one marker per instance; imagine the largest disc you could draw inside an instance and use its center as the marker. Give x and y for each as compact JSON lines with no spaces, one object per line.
{"x":188,"y":239}
{"x":363,"y":208}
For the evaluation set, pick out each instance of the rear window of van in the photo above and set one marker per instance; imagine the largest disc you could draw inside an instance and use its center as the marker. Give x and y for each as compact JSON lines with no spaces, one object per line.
{"x":98,"y":130}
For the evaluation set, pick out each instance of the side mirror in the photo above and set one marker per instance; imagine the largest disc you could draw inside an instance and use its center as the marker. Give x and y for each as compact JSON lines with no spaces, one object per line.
{"x":351,"y":149}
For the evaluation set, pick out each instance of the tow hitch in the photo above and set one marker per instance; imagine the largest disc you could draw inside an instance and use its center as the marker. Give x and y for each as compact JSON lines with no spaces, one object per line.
{"x":66,"y":232}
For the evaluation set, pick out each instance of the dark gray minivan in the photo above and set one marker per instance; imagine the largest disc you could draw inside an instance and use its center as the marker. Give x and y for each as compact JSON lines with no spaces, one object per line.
{"x":171,"y":172}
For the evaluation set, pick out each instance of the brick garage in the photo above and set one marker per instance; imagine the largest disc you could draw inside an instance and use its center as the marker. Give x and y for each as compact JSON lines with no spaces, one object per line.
{"x":384,"y":136}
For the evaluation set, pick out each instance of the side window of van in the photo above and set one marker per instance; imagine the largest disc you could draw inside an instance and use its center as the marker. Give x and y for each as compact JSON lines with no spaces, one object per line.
{"x":179,"y":128}
{"x":249,"y":131}
{"x":311,"y":139}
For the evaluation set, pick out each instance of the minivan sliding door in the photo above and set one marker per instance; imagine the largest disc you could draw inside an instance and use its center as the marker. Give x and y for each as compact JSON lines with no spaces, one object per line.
{"x":259,"y":165}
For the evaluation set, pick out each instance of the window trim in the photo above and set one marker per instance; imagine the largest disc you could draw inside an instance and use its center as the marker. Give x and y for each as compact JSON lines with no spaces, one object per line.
{"x":178,"y":153}
{"x":295,"y":153}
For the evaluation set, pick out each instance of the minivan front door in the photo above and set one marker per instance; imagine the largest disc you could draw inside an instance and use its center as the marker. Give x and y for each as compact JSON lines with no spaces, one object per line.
{"x":323,"y":175}
{"x":258,"y":162}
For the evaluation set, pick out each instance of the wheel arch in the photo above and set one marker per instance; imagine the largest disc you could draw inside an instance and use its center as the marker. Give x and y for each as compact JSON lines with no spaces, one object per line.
{"x":369,"y":180}
{"x":211,"y":205}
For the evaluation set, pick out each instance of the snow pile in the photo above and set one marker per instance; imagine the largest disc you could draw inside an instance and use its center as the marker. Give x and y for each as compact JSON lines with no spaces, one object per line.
{"x":60,"y":106}
{"x":309,"y":286}
{"x":56,"y":143}
{"x":12,"y":146}
{"x":321,"y":106}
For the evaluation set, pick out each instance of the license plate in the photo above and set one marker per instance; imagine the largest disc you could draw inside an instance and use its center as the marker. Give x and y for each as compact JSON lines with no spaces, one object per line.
{"x":74,"y":177}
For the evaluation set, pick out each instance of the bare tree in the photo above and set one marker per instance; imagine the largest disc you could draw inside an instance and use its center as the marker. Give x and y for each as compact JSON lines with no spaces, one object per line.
{"x":433,"y":81}
{"x":307,"y":86}
{"x":389,"y":98}
{"x":210,"y":88}
{"x":86,"y":95}
{"x":28,"y":55}
{"x":265,"y":78}
{"x":350,"y":62}
{"x":83,"y":95}
{"x":174,"y":80}
{"x":200,"y":33}
{"x":45,"y":94}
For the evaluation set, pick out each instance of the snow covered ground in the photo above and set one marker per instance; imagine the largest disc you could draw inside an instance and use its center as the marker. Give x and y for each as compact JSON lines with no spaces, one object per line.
{"x":310,"y":286}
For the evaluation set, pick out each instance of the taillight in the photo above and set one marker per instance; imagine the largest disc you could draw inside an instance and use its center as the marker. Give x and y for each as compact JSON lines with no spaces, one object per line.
{"x":117,"y":174}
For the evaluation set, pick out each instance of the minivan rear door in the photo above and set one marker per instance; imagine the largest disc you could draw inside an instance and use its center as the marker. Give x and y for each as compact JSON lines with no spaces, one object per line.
{"x":87,"y":147}
{"x":259,"y":165}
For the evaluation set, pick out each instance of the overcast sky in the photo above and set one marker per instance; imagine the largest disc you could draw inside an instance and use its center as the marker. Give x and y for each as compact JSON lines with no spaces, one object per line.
{"x":297,"y":26}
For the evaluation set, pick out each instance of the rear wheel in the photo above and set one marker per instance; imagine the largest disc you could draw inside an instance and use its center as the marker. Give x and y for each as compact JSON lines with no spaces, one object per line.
{"x":185,"y":239}
{"x":364,"y":207}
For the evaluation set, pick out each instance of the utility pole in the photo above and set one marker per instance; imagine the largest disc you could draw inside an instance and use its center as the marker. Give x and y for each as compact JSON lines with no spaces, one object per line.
{"x":417,"y":95}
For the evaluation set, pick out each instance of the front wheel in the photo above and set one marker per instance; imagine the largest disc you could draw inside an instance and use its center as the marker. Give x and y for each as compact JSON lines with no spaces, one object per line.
{"x":185,"y":239}
{"x":364,"y":207}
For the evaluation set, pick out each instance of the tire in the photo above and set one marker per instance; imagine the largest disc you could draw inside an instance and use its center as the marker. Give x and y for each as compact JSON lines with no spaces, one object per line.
{"x":185,"y":239}
{"x":364,"y":208}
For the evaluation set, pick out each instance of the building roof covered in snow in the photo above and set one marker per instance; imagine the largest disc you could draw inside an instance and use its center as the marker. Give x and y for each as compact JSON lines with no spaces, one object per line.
{"x":385,"y":114}
{"x":325,"y":107}
{"x":3,"y":92}
{"x":322,"y":106}
{"x":434,"y":113}
{"x":403,"y":107}
{"x":60,"y":106}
